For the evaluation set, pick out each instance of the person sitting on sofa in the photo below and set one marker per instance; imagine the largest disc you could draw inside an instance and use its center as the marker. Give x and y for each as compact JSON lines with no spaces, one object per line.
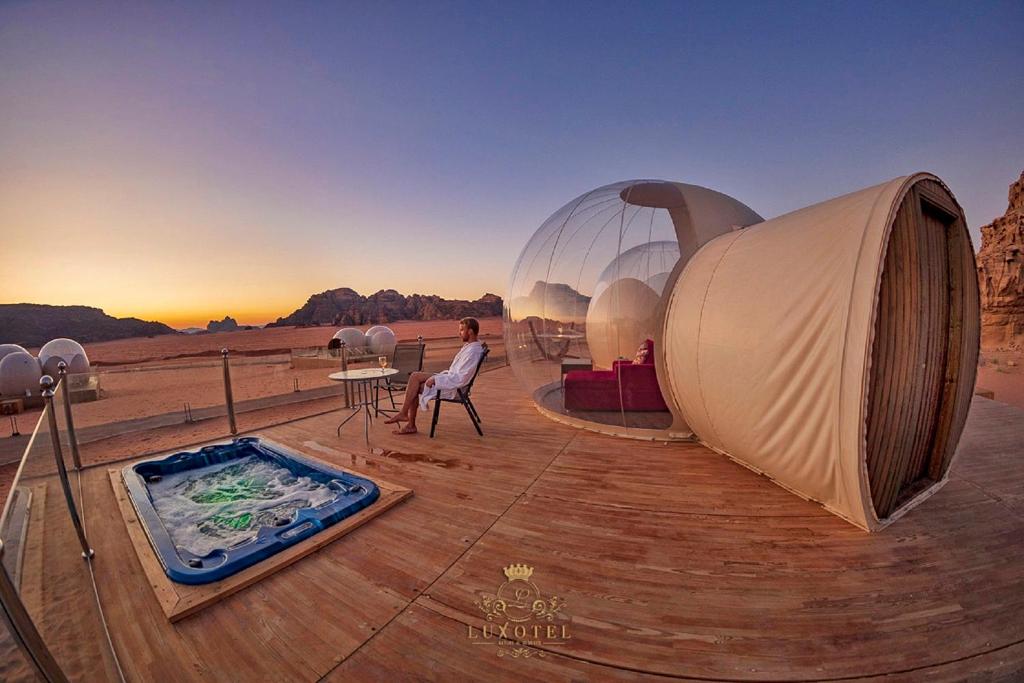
{"x":423,"y":387}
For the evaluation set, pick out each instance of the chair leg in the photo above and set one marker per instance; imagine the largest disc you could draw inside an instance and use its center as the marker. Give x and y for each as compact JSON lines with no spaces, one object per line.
{"x":473,"y":407}
{"x":472,"y":418}
{"x":437,"y":413}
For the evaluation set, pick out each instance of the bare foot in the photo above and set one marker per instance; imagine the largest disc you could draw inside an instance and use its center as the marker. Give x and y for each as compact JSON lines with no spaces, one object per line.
{"x":396,"y":419}
{"x":407,"y":429}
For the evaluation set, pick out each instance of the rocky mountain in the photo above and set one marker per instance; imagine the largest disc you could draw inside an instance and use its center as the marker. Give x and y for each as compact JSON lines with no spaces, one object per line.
{"x":554,"y":302}
{"x":1001,"y":275}
{"x":33,"y":325}
{"x":228,"y":324}
{"x":346,"y":306}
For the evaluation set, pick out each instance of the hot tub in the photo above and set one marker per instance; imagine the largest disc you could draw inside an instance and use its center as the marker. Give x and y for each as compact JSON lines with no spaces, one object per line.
{"x":215,"y":511}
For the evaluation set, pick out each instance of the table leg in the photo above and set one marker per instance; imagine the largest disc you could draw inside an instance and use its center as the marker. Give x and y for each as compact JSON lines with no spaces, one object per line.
{"x":355,"y":408}
{"x":354,"y":412}
{"x":376,"y":400}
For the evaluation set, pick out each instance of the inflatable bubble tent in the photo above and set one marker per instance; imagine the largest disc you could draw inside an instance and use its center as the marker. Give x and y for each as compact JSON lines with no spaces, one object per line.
{"x":19,"y":375}
{"x":587,"y":293}
{"x":67,"y":350}
{"x":832,"y":349}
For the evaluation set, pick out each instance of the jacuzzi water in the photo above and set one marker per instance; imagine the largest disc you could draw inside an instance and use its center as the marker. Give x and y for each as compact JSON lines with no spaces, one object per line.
{"x":223,"y":505}
{"x":215,"y":511}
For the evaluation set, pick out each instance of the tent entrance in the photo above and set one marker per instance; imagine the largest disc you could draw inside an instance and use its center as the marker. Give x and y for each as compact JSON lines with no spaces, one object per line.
{"x":918,"y":348}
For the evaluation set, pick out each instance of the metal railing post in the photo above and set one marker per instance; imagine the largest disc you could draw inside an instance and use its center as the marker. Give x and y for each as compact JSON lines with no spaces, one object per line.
{"x":228,"y":398}
{"x":46,"y":384}
{"x":344,"y":367}
{"x":76,"y":458}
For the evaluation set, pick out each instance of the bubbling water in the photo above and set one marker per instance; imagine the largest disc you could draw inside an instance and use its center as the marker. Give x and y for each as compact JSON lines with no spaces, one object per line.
{"x":223,"y":505}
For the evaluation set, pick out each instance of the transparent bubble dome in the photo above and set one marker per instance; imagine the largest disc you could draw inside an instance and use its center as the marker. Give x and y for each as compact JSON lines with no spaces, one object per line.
{"x":587,"y":288}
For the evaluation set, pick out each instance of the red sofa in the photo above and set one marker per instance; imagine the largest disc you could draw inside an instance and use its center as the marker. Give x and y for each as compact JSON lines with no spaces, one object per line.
{"x":636,"y":385}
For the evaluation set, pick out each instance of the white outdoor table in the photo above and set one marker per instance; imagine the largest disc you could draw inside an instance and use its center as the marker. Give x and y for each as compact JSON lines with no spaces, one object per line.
{"x":363,"y":380}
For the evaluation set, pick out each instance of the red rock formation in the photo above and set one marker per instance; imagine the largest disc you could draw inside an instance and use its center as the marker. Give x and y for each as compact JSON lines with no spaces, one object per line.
{"x":346,"y":306}
{"x":1001,"y":275}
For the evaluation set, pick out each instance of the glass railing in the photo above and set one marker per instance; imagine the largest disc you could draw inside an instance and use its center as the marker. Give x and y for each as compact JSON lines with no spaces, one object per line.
{"x":49,"y":590}
{"x":151,"y":407}
{"x":162,"y":405}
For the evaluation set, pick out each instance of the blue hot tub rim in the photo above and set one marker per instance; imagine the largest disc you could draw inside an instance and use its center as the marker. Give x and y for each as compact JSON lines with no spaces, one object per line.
{"x":355,"y":494}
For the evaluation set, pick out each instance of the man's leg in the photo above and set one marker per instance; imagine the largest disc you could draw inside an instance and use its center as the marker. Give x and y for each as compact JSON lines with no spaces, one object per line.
{"x":412,"y":413}
{"x":412,"y":396}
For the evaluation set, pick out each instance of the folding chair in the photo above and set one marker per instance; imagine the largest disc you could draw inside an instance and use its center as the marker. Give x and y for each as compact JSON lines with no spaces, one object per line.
{"x":462,"y":396}
{"x":407,"y":359}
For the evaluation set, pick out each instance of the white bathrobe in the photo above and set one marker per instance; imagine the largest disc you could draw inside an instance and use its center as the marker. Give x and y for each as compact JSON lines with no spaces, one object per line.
{"x":458,"y":375}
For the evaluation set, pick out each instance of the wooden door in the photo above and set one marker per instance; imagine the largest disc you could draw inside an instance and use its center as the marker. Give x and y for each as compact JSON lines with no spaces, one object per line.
{"x":913,"y":333}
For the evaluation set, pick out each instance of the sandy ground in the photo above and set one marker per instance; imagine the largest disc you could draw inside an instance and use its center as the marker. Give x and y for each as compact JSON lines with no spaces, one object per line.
{"x":143,"y":377}
{"x":260,"y":342}
{"x":1002,"y":372}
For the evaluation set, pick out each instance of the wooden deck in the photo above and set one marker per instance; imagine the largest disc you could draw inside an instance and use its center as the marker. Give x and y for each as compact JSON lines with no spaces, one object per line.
{"x":672,"y":561}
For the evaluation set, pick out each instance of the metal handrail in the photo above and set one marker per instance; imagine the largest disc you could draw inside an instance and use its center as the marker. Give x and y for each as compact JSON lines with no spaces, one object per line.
{"x":46,"y":384}
{"x":349,"y":397}
{"x":62,"y":370}
{"x":13,"y":613}
{"x":228,"y":397}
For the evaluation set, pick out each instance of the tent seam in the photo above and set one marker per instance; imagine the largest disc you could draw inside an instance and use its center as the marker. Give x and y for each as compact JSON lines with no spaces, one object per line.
{"x":871,"y":519}
{"x":700,"y":332}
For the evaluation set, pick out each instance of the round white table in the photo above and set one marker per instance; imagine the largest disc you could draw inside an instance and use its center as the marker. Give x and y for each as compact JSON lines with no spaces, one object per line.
{"x":364,"y":381}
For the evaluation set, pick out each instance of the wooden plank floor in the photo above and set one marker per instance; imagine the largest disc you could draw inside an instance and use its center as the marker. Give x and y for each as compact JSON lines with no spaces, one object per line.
{"x":673,"y":561}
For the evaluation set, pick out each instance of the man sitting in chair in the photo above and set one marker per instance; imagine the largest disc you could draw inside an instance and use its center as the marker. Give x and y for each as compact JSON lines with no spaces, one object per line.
{"x":423,"y":387}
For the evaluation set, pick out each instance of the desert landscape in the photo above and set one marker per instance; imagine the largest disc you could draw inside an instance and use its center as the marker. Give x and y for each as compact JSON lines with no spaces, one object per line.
{"x":146,"y":383}
{"x":745,"y":402}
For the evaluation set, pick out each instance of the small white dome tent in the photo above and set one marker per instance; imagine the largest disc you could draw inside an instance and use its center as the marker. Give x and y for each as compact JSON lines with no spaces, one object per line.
{"x":19,"y":375}
{"x":382,"y":340}
{"x":352,"y":337}
{"x":834,"y":348}
{"x":67,"y":350}
{"x":7,"y":349}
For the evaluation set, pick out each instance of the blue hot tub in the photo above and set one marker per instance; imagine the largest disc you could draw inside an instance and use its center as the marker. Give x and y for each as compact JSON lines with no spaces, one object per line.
{"x":213,"y":512}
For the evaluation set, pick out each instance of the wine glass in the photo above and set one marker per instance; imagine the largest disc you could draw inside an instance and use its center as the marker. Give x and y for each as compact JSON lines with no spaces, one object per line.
{"x":383,"y":361}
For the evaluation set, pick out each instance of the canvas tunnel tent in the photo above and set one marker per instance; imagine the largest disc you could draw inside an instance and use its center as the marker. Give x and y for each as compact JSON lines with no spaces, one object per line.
{"x":833,"y":348}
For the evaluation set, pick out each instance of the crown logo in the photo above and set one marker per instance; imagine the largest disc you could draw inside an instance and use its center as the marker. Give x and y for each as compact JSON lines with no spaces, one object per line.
{"x":519,"y":572}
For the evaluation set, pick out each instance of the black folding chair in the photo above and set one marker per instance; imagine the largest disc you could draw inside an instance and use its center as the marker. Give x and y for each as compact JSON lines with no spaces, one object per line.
{"x":462,"y":396}
{"x":407,"y":359}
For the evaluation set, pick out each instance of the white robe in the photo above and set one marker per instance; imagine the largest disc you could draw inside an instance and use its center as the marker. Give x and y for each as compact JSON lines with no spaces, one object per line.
{"x":458,"y":375}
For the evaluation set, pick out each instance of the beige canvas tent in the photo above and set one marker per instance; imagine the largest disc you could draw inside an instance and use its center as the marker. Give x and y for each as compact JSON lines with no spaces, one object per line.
{"x":834,"y":348}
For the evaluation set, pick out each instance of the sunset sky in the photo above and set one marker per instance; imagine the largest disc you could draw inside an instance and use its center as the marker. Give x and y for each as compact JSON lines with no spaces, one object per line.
{"x":186,"y":161}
